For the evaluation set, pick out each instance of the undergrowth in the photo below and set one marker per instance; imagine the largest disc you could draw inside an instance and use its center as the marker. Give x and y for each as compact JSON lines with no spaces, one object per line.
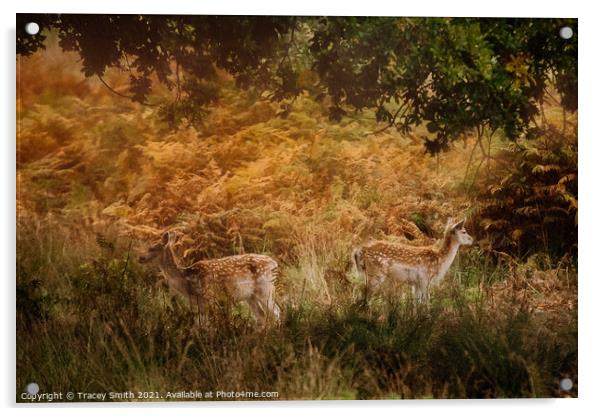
{"x":101,"y":323}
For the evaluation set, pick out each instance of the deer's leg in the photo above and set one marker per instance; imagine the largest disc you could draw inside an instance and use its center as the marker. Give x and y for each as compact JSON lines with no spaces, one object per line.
{"x":421,"y":293}
{"x":265,"y":297}
{"x":373,"y":283}
{"x":197,"y":303}
{"x":417,"y":298}
{"x":271,"y":309}
{"x":275,"y":311}
{"x":415,"y":293}
{"x":257,"y":310}
{"x":270,"y":302}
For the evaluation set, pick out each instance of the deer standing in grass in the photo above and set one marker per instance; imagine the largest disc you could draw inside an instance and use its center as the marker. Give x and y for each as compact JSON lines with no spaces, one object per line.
{"x":242,"y":278}
{"x":420,"y":267}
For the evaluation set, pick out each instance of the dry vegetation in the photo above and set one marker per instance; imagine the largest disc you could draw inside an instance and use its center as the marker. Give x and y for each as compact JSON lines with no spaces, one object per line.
{"x":99,"y":177}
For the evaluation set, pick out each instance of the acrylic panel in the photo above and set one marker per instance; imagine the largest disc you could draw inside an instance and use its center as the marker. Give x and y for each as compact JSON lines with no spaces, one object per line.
{"x":295,"y":208}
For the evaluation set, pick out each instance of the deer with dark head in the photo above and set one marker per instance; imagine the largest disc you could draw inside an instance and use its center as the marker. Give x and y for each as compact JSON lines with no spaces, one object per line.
{"x":241,"y":278}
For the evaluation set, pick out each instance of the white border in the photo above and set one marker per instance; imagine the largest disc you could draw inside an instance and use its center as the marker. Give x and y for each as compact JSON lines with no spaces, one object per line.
{"x":590,"y":146}
{"x":513,"y":8}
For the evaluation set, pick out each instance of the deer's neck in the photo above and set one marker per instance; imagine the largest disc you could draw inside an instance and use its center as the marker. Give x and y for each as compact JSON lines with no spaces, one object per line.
{"x":447,"y":254}
{"x":170,"y":268}
{"x":176,"y":275}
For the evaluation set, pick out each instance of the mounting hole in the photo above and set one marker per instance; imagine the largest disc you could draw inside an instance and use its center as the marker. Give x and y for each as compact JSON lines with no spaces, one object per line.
{"x":32,"y":28}
{"x":566,"y":384}
{"x":32,"y":388}
{"x":566,"y":32}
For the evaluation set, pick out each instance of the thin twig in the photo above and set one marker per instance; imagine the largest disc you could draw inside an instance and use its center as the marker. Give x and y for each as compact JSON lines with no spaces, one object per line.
{"x":112,"y":89}
{"x":476,"y":143}
{"x":130,"y":97}
{"x":127,"y":62}
{"x":474,"y":178}
{"x":392,"y":122}
{"x":489,"y":153}
{"x":127,"y":259}
{"x":552,"y":97}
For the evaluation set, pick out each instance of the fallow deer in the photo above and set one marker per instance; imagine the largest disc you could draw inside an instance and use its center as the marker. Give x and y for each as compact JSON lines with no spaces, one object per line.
{"x":420,"y":267}
{"x":241,"y":278}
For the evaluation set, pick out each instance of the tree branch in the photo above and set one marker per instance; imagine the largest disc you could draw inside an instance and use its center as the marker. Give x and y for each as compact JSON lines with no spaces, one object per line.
{"x":121,"y":94}
{"x":392,"y":122}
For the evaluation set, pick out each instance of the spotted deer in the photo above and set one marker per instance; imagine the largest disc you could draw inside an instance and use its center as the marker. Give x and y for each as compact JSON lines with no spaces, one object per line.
{"x":241,"y":278}
{"x":420,"y":267}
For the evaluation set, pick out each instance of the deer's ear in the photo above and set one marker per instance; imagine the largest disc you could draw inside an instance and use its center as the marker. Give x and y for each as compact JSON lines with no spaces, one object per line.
{"x":449,"y":224}
{"x":460,"y":225}
{"x":165,"y":238}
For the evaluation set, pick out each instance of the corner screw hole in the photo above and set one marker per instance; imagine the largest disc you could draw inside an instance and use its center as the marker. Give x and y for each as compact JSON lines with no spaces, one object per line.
{"x":566,"y":32}
{"x":32,"y":28}
{"x":32,"y":388}
{"x":566,"y":384}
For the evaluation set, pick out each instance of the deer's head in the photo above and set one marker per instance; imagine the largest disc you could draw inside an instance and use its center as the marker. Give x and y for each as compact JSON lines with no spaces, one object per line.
{"x":157,"y":249}
{"x":458,"y":233}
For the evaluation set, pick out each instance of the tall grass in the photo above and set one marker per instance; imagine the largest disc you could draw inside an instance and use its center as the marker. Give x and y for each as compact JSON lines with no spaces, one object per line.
{"x":97,"y":322}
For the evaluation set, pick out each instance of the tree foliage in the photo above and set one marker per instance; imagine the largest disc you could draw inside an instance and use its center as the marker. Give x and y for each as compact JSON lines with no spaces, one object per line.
{"x":452,"y":74}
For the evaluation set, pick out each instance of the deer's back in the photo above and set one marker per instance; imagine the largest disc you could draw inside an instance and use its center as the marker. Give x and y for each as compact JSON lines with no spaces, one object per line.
{"x":242,"y":266}
{"x":239,"y":277}
{"x":386,"y":254}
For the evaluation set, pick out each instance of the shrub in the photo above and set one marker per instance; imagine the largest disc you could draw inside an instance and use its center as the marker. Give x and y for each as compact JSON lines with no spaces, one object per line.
{"x":529,"y":203}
